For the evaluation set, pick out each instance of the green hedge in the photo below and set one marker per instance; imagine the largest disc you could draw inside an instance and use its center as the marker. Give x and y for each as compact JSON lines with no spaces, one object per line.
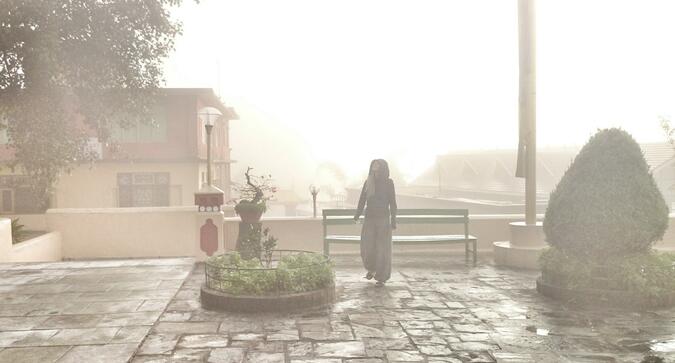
{"x":649,"y":276}
{"x":293,"y":274}
{"x":607,"y":202}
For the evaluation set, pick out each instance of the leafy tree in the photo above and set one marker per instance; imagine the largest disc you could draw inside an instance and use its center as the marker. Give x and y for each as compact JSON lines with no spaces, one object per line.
{"x":72,"y":69}
{"x":607,"y":202}
{"x":667,"y":130}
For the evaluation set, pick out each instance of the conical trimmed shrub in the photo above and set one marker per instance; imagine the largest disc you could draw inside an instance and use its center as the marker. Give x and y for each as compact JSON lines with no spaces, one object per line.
{"x":607,"y":203}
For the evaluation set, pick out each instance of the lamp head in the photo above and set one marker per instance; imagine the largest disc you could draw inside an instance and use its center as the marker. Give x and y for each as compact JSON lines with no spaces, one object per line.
{"x":209,"y":115}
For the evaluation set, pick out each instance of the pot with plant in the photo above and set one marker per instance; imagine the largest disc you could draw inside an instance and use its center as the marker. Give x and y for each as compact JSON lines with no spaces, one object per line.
{"x":253,"y":197}
{"x":258,"y":277}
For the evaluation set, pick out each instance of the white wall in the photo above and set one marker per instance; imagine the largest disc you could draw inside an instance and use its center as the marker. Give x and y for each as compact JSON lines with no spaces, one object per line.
{"x":307,"y":233}
{"x":125,"y":232}
{"x":173,"y":231}
{"x":5,"y":240}
{"x":43,"y":248}
{"x":46,"y":247}
{"x":33,"y":222}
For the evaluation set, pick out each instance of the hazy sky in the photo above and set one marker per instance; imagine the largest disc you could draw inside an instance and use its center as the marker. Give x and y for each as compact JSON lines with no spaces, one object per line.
{"x":349,"y":81}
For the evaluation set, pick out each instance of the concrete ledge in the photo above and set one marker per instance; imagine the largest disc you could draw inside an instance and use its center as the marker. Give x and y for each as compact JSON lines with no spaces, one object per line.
{"x":508,"y":255}
{"x":527,"y":236}
{"x":44,"y":248}
{"x":216,"y":300}
{"x":191,"y":208}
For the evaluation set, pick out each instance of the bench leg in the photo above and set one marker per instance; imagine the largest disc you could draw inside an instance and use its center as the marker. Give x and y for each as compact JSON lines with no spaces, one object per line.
{"x":326,"y":248}
{"x":466,"y":251}
{"x":475,"y":252}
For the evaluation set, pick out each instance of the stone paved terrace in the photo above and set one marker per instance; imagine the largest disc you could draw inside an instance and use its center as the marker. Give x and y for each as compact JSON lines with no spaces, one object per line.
{"x":435,"y":309}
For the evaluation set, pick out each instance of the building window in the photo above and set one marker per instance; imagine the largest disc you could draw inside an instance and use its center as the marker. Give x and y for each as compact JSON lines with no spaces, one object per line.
{"x":154,"y":130}
{"x":143,"y":189}
{"x":16,"y":195}
{"x":4,"y":137}
{"x":6,"y":200}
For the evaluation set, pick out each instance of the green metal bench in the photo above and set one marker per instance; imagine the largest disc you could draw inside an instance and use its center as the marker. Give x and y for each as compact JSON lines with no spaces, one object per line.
{"x":406,"y":216}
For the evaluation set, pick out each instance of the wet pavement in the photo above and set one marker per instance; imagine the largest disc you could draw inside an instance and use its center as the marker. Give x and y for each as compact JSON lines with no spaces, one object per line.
{"x":434,"y":309}
{"x":90,"y":311}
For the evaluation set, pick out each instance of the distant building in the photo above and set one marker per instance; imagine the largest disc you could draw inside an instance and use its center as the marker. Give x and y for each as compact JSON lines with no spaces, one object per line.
{"x":485,"y":182}
{"x":289,"y":200}
{"x":160,"y":165}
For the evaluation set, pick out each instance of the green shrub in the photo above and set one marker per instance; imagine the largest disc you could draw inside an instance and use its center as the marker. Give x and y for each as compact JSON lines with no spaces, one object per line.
{"x":17,"y":231}
{"x":607,"y":202}
{"x":258,"y":244}
{"x":293,"y":274}
{"x":650,"y":276}
{"x":652,"y":359}
{"x":305,"y":272}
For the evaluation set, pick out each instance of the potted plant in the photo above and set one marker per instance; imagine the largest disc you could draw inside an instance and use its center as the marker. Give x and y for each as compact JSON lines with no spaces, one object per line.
{"x":253,"y":197}
{"x":257,"y":277}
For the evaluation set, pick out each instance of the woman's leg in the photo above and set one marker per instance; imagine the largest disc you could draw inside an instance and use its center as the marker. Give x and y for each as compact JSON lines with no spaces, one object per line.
{"x":368,"y":250}
{"x":383,"y":246}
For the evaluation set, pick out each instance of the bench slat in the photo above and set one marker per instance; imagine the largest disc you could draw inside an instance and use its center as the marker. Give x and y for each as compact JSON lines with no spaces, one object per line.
{"x":339,"y":212}
{"x":438,"y":219}
{"x":445,"y":212}
{"x":405,"y":239}
{"x":406,"y":216}
{"x":402,"y":212}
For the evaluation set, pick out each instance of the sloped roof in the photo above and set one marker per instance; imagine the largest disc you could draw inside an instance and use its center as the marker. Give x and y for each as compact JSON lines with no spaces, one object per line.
{"x":207,"y":96}
{"x":495,"y":169}
{"x":657,"y":154}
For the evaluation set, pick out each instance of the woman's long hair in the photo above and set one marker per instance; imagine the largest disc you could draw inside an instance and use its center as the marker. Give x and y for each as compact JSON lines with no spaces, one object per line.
{"x":371,"y":183}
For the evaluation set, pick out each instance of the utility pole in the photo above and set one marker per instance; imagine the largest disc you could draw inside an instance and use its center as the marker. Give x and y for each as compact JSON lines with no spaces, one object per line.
{"x":440,"y":184}
{"x":527,"y":238}
{"x":527,"y":110}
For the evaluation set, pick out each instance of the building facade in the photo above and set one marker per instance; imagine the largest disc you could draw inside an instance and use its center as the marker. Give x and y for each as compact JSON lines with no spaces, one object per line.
{"x":160,"y":163}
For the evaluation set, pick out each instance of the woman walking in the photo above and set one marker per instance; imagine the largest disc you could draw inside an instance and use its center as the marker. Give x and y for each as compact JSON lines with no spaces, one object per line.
{"x":378,"y":197}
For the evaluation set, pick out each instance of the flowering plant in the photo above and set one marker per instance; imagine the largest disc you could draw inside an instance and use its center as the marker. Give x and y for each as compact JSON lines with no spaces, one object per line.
{"x":254,"y":194}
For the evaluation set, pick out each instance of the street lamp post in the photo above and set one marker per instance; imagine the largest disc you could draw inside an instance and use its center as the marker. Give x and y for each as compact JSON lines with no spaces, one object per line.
{"x":209,"y":198}
{"x":314,"y":190}
{"x":209,"y":115}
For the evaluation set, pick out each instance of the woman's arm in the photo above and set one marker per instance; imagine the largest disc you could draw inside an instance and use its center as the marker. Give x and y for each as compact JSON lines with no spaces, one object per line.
{"x":393,"y":208}
{"x":362,"y":203}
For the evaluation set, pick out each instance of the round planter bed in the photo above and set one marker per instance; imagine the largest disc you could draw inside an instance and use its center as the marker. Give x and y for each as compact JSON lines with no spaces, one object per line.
{"x":602,"y":298}
{"x":291,"y":280}
{"x":216,"y":300}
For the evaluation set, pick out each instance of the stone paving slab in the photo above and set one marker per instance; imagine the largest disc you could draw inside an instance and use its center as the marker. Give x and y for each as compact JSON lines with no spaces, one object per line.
{"x":83,"y":311}
{"x":436,"y":313}
{"x":434,"y":309}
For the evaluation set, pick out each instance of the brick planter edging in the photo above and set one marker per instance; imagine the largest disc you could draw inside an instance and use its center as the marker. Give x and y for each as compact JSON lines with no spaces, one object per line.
{"x":598,"y":297}
{"x":216,"y":300}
